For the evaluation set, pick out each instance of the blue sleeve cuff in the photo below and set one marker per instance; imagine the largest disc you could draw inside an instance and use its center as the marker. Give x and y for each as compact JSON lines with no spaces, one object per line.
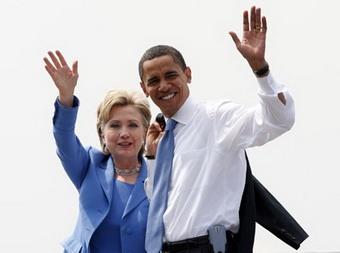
{"x":65,"y":117}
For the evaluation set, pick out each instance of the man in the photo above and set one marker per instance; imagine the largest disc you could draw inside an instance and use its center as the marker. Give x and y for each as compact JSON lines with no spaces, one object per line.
{"x":209,"y":167}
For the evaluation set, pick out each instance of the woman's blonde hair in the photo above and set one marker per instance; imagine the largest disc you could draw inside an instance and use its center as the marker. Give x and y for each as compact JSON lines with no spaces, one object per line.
{"x":118,"y":98}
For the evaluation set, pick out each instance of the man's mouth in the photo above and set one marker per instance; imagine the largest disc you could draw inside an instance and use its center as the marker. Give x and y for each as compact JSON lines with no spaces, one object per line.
{"x":169,"y":96}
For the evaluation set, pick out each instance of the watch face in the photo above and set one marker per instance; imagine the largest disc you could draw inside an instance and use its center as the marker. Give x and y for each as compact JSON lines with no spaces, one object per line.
{"x":262,"y":71}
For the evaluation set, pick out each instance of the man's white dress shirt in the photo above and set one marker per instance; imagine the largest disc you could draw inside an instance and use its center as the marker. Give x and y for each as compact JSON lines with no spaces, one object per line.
{"x":209,"y":166}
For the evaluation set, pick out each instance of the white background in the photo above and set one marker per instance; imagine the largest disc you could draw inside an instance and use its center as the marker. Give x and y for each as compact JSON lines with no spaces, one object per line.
{"x":38,"y":204}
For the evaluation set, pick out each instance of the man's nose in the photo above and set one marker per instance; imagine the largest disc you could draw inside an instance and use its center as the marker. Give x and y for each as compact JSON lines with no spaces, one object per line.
{"x":163,"y":85}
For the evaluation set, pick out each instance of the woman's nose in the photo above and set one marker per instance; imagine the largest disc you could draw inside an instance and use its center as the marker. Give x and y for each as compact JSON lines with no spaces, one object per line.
{"x":124,"y":133}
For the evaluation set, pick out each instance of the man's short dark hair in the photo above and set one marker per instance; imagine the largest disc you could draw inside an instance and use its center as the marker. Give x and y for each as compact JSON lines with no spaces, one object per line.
{"x":158,"y":51}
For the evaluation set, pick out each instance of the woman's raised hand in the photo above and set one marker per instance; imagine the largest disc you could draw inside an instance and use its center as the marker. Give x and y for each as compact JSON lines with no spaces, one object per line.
{"x":63,"y":77}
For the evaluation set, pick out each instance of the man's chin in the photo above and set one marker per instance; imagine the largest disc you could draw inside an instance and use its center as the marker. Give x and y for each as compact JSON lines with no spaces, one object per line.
{"x":166,"y":106}
{"x":168,"y":113}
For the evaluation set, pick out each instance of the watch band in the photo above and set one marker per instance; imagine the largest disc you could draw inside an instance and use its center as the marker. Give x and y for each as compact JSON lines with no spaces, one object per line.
{"x":150,"y":157}
{"x":262,"y":71}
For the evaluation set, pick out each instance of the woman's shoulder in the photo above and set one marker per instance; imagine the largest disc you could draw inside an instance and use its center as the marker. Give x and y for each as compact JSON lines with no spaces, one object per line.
{"x":96,"y":155}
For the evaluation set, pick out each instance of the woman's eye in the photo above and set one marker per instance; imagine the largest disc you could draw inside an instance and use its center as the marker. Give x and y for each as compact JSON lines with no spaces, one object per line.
{"x":114,"y":126}
{"x":133,"y":125}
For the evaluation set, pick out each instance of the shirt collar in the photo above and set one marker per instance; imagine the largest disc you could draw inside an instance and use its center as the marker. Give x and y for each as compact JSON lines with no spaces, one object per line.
{"x":187,"y":111}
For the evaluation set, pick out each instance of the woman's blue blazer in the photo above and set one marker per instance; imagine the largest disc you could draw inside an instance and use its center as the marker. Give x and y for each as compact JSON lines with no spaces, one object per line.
{"x":92,"y":174}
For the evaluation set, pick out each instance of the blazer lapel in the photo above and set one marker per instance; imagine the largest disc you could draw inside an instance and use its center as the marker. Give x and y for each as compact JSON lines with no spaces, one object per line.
{"x":138,"y":193}
{"x":105,"y":175}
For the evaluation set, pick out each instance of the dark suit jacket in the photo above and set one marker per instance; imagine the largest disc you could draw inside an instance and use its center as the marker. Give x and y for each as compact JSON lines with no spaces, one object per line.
{"x":259,"y":205}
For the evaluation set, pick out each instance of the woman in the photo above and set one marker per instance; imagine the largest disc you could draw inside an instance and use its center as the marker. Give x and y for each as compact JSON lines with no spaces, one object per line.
{"x":113,"y":206}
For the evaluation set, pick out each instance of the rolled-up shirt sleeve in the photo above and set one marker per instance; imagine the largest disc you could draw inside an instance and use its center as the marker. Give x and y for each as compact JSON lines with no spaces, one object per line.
{"x":268,"y":86}
{"x":238,"y":127}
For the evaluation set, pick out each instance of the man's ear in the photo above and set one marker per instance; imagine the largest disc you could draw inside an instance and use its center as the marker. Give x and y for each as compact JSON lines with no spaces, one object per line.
{"x":187,"y":72}
{"x":142,"y":85}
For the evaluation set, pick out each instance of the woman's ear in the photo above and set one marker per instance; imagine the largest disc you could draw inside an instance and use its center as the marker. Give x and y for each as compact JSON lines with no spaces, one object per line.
{"x":102,"y":137}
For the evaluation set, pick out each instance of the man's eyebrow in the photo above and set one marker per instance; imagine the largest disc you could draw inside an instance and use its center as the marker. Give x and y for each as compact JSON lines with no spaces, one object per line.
{"x":171,"y":72}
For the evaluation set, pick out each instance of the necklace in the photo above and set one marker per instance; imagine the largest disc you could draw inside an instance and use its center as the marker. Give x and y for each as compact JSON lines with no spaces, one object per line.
{"x":126,"y":172}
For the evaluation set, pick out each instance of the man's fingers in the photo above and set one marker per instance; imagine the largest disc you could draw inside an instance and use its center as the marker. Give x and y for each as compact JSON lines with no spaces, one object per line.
{"x":258,"y":18}
{"x":264,"y":24}
{"x":54,"y":60}
{"x":154,"y":128}
{"x":253,"y":18}
{"x":61,"y":58}
{"x":245,"y":21}
{"x":159,"y":137}
{"x":235,"y":39}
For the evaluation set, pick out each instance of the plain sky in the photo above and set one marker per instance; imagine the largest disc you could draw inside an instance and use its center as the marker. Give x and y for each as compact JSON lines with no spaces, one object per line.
{"x":38,"y":204}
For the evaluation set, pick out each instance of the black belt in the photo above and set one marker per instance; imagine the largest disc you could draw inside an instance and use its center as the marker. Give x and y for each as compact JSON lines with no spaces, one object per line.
{"x":193,"y":243}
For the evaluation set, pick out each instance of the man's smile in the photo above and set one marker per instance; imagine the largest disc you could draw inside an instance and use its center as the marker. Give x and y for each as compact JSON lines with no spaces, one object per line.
{"x":167,"y":97}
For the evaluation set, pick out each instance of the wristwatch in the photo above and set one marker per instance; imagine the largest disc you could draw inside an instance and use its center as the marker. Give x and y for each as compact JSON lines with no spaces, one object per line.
{"x":262,"y":71}
{"x":150,"y":157}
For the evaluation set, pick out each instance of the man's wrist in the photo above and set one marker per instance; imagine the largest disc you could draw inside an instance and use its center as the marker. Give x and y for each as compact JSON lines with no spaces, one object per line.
{"x":150,"y":157}
{"x":262,"y":72}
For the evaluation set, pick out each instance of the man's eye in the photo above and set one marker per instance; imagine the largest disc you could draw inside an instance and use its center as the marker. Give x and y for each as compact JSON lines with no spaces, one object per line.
{"x":152,"y":83}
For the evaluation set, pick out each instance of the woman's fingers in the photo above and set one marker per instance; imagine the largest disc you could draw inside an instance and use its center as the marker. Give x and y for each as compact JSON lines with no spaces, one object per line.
{"x":54,"y":60}
{"x":57,"y":63}
{"x":61,"y":58}
{"x":49,"y":64}
{"x":75,"y":68}
{"x":50,"y":72}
